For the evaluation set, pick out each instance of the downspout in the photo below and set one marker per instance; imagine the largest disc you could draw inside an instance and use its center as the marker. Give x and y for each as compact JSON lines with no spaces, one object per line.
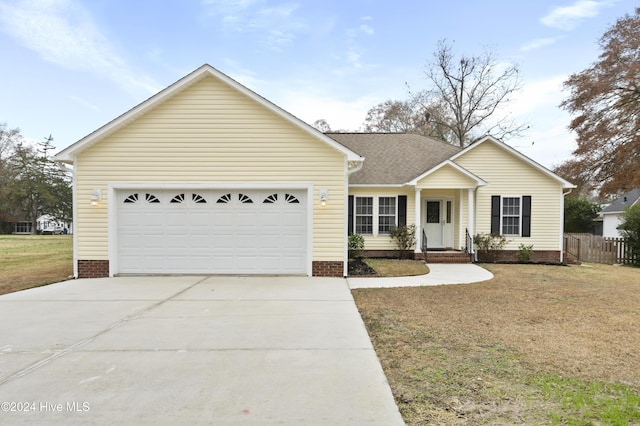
{"x":74,"y":216}
{"x":561,"y":245}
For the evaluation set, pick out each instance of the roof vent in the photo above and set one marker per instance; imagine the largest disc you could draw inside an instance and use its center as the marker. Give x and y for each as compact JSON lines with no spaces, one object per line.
{"x":624,"y":199}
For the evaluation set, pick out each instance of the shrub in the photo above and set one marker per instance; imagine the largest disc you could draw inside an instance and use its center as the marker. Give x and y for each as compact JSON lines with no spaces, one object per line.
{"x":488,"y":246}
{"x":525,"y":253}
{"x":405,"y":238}
{"x":630,"y":229}
{"x":356,"y":245}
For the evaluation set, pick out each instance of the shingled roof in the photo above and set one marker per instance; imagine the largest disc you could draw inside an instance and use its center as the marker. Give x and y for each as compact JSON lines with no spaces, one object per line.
{"x":618,"y":206}
{"x":393,"y":158}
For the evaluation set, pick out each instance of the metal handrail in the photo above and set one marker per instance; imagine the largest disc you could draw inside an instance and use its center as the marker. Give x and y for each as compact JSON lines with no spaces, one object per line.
{"x":469,"y":243}
{"x":423,"y":245}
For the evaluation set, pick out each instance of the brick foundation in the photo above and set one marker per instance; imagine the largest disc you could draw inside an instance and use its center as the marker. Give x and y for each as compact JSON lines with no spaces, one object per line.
{"x":93,"y":268}
{"x":327,"y":269}
{"x":541,"y":256}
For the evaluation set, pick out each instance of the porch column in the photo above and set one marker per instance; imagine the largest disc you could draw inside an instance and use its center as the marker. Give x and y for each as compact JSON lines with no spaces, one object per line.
{"x":470,"y":214}
{"x":418,"y":216}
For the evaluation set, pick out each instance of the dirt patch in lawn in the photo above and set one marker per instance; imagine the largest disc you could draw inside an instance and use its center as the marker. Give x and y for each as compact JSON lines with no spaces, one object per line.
{"x":397,"y":268}
{"x":33,"y":260}
{"x":497,"y":352}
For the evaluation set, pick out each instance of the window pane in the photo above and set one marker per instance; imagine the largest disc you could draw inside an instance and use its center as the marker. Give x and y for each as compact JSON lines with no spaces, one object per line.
{"x":511,"y":216}
{"x":433,"y":211}
{"x":386,"y":214}
{"x":364,"y":215}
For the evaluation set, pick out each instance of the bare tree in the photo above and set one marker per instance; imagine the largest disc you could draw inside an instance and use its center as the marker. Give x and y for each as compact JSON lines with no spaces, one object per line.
{"x":606,"y":100}
{"x":414,"y":115}
{"x":321,"y":125}
{"x":471,"y":91}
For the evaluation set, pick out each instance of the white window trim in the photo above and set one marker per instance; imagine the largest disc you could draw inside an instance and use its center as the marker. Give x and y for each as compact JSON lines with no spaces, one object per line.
{"x":519,"y":197}
{"x":377,"y":216}
{"x":375,"y":213}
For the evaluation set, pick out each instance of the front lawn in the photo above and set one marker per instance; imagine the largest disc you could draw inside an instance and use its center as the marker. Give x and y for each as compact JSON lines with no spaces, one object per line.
{"x":33,"y":260}
{"x":397,"y":268}
{"x":535,"y":345}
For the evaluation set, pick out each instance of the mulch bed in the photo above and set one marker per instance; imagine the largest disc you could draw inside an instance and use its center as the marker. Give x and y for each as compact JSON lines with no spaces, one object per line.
{"x":358,"y":268}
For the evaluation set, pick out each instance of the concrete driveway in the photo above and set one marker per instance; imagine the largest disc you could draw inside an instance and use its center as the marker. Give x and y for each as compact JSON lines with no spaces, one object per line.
{"x":189,"y":350}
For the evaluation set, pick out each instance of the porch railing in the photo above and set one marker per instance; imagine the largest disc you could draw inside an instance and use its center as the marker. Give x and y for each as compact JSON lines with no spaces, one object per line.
{"x":468,"y":244}
{"x":423,"y":245}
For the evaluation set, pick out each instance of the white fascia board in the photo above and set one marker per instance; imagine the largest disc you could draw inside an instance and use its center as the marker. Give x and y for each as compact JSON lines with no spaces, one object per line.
{"x":368,"y":185}
{"x":462,"y":170}
{"x":516,"y":153}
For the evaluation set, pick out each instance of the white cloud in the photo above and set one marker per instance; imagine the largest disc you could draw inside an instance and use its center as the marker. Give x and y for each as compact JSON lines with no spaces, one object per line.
{"x":538,"y":43}
{"x":366,"y":29}
{"x":566,"y":18}
{"x":63,"y":33}
{"x":279,"y":24}
{"x":84,"y":103}
{"x":547,"y":140}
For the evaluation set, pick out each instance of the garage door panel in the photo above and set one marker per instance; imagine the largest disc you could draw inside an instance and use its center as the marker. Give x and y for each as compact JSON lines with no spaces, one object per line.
{"x":183,"y":231}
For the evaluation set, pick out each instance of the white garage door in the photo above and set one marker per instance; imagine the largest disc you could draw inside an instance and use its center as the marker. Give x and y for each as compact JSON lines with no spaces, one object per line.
{"x":212,"y":232}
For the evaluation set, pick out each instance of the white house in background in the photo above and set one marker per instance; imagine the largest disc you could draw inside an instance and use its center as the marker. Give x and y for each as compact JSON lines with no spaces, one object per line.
{"x":612,"y":214}
{"x":47,"y":222}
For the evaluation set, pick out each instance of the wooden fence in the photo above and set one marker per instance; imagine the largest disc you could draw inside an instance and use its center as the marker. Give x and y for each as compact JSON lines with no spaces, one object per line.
{"x":595,"y":248}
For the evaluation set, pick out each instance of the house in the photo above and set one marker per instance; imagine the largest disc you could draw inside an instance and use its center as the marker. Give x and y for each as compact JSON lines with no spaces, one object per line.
{"x":209,"y":177}
{"x":48,"y":223}
{"x":612,"y":214}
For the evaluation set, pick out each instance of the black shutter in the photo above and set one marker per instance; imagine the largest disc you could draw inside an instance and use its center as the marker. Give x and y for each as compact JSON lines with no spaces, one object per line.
{"x":350,"y":216}
{"x":402,"y":210}
{"x":495,"y":214}
{"x":526,"y":215}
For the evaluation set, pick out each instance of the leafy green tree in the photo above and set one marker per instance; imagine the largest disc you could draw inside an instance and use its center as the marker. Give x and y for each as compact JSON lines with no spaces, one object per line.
{"x":630,"y":228}
{"x":579,"y":214}
{"x":34,"y":184}
{"x":9,"y":139}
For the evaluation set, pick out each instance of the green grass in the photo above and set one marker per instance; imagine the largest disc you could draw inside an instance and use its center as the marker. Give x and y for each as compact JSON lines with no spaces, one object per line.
{"x":589,"y":402}
{"x":33,"y":260}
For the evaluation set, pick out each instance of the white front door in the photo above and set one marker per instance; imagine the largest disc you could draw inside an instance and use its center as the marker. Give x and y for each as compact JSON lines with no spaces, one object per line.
{"x":438,"y":223}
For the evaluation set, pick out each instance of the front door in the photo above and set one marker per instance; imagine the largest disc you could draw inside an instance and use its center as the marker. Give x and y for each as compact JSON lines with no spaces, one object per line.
{"x":438,"y":223}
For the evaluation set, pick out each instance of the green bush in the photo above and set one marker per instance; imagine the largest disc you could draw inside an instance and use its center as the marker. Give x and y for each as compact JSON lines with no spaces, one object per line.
{"x":356,"y":245}
{"x":630,"y":228}
{"x":488,"y":246}
{"x":405,"y":238}
{"x":525,"y":253}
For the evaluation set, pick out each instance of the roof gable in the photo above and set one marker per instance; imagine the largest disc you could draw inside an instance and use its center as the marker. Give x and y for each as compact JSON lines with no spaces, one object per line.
{"x":490,"y":139}
{"x":448,"y":174}
{"x":67,"y":154}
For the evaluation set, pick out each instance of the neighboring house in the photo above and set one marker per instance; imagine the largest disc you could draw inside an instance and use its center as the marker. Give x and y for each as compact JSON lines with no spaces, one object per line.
{"x":612,"y":214}
{"x":208,"y":177}
{"x":47,"y":223}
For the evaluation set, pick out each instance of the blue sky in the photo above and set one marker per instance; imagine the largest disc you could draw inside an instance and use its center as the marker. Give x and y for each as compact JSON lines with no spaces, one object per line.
{"x":70,"y":66}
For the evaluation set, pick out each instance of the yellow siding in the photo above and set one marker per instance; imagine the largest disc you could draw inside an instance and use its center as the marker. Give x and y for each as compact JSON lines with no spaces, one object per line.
{"x":210,"y":133}
{"x":507,"y":175}
{"x":446,"y":177}
{"x":384,"y":242}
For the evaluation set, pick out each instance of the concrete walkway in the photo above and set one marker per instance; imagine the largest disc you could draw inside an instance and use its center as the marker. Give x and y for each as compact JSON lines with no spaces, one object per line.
{"x":439,"y":274}
{"x":190,"y":351}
